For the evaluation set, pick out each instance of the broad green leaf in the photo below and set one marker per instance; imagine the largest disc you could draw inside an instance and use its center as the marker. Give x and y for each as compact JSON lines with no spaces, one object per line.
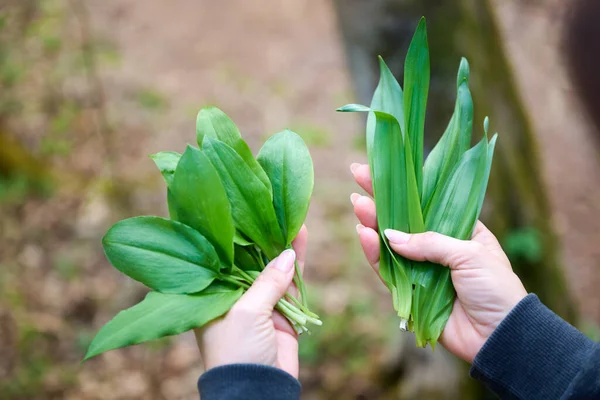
{"x":160,"y":315}
{"x":247,"y":258}
{"x":251,"y":205}
{"x":453,"y":143}
{"x":416,"y":88}
{"x":215,"y":123}
{"x":239,"y":238}
{"x":166,"y":161}
{"x":164,"y":255}
{"x":287,"y":162}
{"x":201,"y":202}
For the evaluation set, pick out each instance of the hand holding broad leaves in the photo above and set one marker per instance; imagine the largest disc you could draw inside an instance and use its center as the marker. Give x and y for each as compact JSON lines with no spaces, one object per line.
{"x":252,"y":332}
{"x":230,"y":215}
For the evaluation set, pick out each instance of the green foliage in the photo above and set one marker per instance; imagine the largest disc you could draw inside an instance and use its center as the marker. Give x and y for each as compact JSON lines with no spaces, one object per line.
{"x":251,"y":203}
{"x":215,"y":123}
{"x":143,"y":247}
{"x":166,"y":161}
{"x":66,"y":267}
{"x":446,"y":195}
{"x":160,"y":315}
{"x":592,"y":330}
{"x":152,"y":100}
{"x":288,"y":165}
{"x":416,"y":88}
{"x":14,"y":189}
{"x":230,"y":217}
{"x":524,"y":245}
{"x":200,"y":201}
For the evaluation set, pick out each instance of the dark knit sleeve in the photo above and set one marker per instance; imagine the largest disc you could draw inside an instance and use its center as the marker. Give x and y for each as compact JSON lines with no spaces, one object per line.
{"x":248,"y":382}
{"x":534,"y":354}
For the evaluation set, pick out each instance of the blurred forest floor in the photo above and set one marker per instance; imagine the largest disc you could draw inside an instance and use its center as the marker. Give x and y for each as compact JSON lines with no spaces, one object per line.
{"x":111,"y":81}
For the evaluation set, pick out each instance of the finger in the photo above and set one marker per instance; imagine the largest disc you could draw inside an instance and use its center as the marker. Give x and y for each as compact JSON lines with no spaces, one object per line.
{"x":434,"y":247}
{"x":364,"y":208}
{"x":271,"y":284}
{"x":299,"y":245}
{"x":281,"y":323}
{"x":369,"y":240}
{"x":362,"y":176}
{"x":484,"y":236}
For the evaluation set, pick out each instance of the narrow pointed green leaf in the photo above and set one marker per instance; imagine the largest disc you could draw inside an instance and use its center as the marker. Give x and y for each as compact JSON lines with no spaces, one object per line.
{"x":415,"y":215}
{"x":160,"y":315}
{"x":397,"y":203}
{"x":287,"y":162}
{"x":432,"y":306}
{"x":251,"y":206}
{"x":395,"y":153}
{"x":454,"y":142}
{"x":354,"y":108}
{"x":454,"y":211}
{"x":387,"y":98}
{"x":488,"y":168}
{"x":166,"y":161}
{"x":164,"y":255}
{"x":416,"y":89}
{"x":215,"y":123}
{"x":201,"y":202}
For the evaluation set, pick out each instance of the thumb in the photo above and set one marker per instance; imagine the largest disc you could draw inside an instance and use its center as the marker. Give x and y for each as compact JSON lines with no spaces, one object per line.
{"x":271,"y":284}
{"x":433,"y":247}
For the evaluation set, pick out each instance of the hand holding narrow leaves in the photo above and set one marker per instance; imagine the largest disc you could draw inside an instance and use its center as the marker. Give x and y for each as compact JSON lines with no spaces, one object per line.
{"x":230,"y":215}
{"x":445,"y":195}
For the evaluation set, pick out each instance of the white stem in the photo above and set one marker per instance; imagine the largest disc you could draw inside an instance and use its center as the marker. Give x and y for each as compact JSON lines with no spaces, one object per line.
{"x":403,"y":324}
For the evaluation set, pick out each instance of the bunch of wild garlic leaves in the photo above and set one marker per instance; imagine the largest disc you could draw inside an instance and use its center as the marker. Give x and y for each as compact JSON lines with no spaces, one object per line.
{"x":445,"y":195}
{"x":230,"y":214}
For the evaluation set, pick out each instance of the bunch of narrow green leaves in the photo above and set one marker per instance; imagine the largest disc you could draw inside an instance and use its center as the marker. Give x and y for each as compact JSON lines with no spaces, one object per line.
{"x":445,"y":195}
{"x":230,"y":214}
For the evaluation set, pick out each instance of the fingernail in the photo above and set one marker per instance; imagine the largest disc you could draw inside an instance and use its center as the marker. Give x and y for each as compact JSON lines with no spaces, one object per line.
{"x":354,"y":197}
{"x":359,"y":228}
{"x":396,"y":237}
{"x":285,"y":261}
{"x":354,"y":166}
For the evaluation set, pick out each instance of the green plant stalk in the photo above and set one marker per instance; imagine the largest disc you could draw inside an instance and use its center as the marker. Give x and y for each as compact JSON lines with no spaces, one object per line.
{"x":299,"y":281}
{"x":297,"y":313}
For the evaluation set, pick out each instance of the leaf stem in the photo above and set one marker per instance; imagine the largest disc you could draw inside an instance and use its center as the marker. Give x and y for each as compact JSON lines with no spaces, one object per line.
{"x":234,"y":281}
{"x":295,"y":311}
{"x":300,"y":284}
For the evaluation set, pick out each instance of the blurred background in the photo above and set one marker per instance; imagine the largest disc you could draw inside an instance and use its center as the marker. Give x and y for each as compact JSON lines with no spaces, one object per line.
{"x":89,"y":88}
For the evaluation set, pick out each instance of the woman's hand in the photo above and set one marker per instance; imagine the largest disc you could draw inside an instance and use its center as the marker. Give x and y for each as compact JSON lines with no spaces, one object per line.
{"x":251,"y":332}
{"x":487,"y":289}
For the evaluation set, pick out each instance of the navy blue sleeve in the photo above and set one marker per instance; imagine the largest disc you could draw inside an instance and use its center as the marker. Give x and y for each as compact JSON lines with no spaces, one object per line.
{"x":248,"y":382}
{"x":534,"y":354}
